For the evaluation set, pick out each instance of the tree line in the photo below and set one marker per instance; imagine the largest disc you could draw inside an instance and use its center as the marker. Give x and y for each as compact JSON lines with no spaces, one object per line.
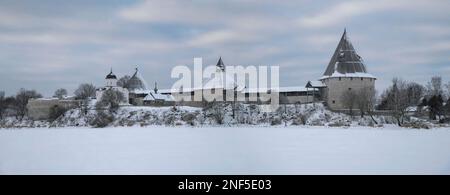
{"x":401,"y":98}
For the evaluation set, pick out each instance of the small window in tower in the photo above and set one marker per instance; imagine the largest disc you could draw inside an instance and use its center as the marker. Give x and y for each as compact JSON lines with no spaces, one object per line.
{"x":362,"y":78}
{"x":339,"y":78}
{"x":351,"y":78}
{"x":349,"y":89}
{"x":334,"y":102}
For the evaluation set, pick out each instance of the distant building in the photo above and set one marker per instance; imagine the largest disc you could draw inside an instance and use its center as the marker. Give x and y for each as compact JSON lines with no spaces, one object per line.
{"x":286,"y":95}
{"x":154,"y":98}
{"x":141,"y":95}
{"x":137,"y":87}
{"x":111,"y":84}
{"x":345,"y":72}
{"x":41,"y":108}
{"x":223,"y":81}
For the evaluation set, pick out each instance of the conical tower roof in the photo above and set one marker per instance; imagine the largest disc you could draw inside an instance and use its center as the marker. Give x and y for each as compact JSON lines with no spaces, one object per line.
{"x":220,"y":64}
{"x":345,"y":61}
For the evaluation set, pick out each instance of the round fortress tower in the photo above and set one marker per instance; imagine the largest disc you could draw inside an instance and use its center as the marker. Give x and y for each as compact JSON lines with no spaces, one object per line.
{"x":345,"y":72}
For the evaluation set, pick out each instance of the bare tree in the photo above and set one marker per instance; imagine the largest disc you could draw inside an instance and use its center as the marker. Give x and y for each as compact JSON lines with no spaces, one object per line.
{"x":436,"y":105}
{"x":122,"y":82}
{"x":85,"y":91}
{"x":447,"y":108}
{"x":349,"y":100}
{"x":60,"y":93}
{"x":22,"y":97}
{"x":435,"y":86}
{"x":218,"y":112}
{"x":398,"y":100}
{"x":2,"y":104}
{"x":447,"y":89}
{"x":415,"y":93}
{"x":7,"y":106}
{"x":111,"y":100}
{"x":366,"y":99}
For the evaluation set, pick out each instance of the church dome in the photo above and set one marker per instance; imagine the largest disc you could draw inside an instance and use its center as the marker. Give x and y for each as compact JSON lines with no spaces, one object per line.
{"x":136,"y":83}
{"x":111,"y":75}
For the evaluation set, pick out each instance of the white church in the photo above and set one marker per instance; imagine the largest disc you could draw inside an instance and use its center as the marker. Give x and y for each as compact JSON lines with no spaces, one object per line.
{"x":135,"y":91}
{"x":111,"y":84}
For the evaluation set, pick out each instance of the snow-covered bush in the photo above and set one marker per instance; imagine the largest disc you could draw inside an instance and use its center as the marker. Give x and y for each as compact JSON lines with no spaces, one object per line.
{"x":102,"y":119}
{"x":275,"y":121}
{"x":169,"y":120}
{"x":339,"y":124}
{"x":300,"y":119}
{"x":56,"y":112}
{"x":416,"y":123}
{"x":315,"y":122}
{"x":189,"y":118}
{"x":218,"y":112}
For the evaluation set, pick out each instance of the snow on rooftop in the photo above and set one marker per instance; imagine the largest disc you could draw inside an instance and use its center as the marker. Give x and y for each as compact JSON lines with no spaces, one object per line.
{"x":279,"y":89}
{"x":356,"y":74}
{"x":164,"y":90}
{"x":316,"y":84}
{"x":157,"y":96}
{"x":141,"y":91}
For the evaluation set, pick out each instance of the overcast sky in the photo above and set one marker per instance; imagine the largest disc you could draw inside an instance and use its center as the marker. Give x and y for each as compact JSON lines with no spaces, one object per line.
{"x":45,"y":45}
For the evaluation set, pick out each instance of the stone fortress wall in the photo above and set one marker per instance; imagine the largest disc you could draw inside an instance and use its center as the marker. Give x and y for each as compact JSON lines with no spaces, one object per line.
{"x":39,"y":109}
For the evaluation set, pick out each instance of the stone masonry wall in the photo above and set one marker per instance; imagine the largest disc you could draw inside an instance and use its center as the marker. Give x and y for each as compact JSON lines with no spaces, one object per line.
{"x":337,"y":87}
{"x":39,"y":109}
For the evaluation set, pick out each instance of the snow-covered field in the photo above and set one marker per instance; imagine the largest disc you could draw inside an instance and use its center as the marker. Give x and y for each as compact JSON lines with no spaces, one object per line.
{"x":225,"y":150}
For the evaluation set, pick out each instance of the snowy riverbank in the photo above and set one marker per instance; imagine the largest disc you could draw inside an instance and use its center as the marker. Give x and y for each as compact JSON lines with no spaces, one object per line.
{"x":244,"y":115}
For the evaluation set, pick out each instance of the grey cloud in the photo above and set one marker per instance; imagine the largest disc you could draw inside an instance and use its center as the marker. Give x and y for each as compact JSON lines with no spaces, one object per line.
{"x":46,"y":49}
